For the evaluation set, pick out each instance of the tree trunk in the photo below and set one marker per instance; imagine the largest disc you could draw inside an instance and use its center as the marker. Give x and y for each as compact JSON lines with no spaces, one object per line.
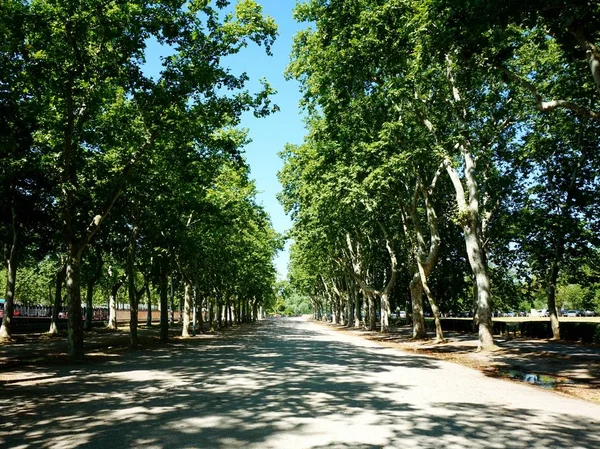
{"x":89,"y":307}
{"x":551,"y":291}
{"x":220,"y":314}
{"x":172,"y":310}
{"x":112,"y":307}
{"x":211,"y":317}
{"x":334,"y":315}
{"x":112,"y":304}
{"x":439,"y":334}
{"x":416,"y":296}
{"x":469,"y":218}
{"x":365,"y":310}
{"x":97,"y":264}
{"x":180,"y":312}
{"x":484,"y":313}
{"x":164,"y":305}
{"x":149,"y":300}
{"x":349,"y":311}
{"x":227,"y":313}
{"x":357,"y":316}
{"x":11,"y":279}
{"x":200,"y":315}
{"x":195,"y":310}
{"x":133,"y":296}
{"x":59,"y":280}
{"x":385,"y":312}
{"x":372,"y":315}
{"x":187,"y":307}
{"x":75,"y":324}
{"x":254,"y":311}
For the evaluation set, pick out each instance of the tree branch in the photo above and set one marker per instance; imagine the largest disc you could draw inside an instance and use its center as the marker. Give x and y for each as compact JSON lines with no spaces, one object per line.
{"x":548,"y":106}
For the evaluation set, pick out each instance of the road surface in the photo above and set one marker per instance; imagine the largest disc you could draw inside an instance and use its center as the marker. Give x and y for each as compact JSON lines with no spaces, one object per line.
{"x":284,"y":383}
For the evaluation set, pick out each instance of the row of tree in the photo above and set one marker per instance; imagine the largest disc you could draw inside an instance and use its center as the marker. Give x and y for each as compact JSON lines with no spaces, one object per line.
{"x":435,"y":126}
{"x":108,"y":171}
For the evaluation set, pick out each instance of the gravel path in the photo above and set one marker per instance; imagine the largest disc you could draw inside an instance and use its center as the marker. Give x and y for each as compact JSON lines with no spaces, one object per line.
{"x":284,"y":384}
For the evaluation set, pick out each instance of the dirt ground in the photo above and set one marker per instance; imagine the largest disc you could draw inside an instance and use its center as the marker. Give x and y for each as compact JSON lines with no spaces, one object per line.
{"x":569,"y":368}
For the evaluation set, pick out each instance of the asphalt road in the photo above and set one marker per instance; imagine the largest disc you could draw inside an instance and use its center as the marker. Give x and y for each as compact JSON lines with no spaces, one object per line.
{"x":284,"y":384}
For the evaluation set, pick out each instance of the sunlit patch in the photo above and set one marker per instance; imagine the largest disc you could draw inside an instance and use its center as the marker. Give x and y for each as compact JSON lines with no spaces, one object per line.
{"x":137,"y":414}
{"x":147,"y":443}
{"x":138,"y":375}
{"x":197,"y":424}
{"x":43,"y":379}
{"x":265,"y":355}
{"x":307,"y":433}
{"x":25,"y":377}
{"x":165,"y":378}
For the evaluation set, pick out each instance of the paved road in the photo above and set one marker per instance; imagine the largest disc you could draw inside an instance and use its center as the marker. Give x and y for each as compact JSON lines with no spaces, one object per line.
{"x":285,"y":384}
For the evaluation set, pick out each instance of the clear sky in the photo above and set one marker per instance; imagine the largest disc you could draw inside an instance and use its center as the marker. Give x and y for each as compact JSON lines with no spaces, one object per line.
{"x":269,"y":135}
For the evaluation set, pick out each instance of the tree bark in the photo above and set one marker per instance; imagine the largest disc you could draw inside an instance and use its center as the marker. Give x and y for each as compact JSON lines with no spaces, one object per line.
{"x":219,"y":314}
{"x":164,"y":305}
{"x":187,"y":306}
{"x":149,"y":301}
{"x":227,"y":312}
{"x":349,"y":311}
{"x":416,"y":296}
{"x":254,"y":310}
{"x":58,"y":285}
{"x":211,"y":316}
{"x":439,"y":334}
{"x":112,"y":302}
{"x":133,"y":294}
{"x":89,"y":300}
{"x":469,"y":219}
{"x":195,"y":310}
{"x":357,"y":317}
{"x":371,"y":292}
{"x":75,"y":322}
{"x":551,"y":291}
{"x":11,"y":261}
{"x":89,"y":304}
{"x":172,"y":298}
{"x":201,"y":314}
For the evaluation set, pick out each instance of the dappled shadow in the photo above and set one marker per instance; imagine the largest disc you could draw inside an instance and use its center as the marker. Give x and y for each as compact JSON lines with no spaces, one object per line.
{"x":279,"y":384}
{"x":579,"y":364}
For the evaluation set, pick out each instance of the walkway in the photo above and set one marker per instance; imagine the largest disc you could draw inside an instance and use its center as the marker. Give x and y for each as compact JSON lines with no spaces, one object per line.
{"x":285,"y":384}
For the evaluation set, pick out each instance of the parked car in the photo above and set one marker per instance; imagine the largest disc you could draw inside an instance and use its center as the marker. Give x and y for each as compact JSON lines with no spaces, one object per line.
{"x":573,"y":313}
{"x":589,"y":313}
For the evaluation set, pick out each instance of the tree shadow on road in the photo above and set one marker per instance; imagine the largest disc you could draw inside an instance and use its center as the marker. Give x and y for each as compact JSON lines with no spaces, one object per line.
{"x":274,"y":385}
